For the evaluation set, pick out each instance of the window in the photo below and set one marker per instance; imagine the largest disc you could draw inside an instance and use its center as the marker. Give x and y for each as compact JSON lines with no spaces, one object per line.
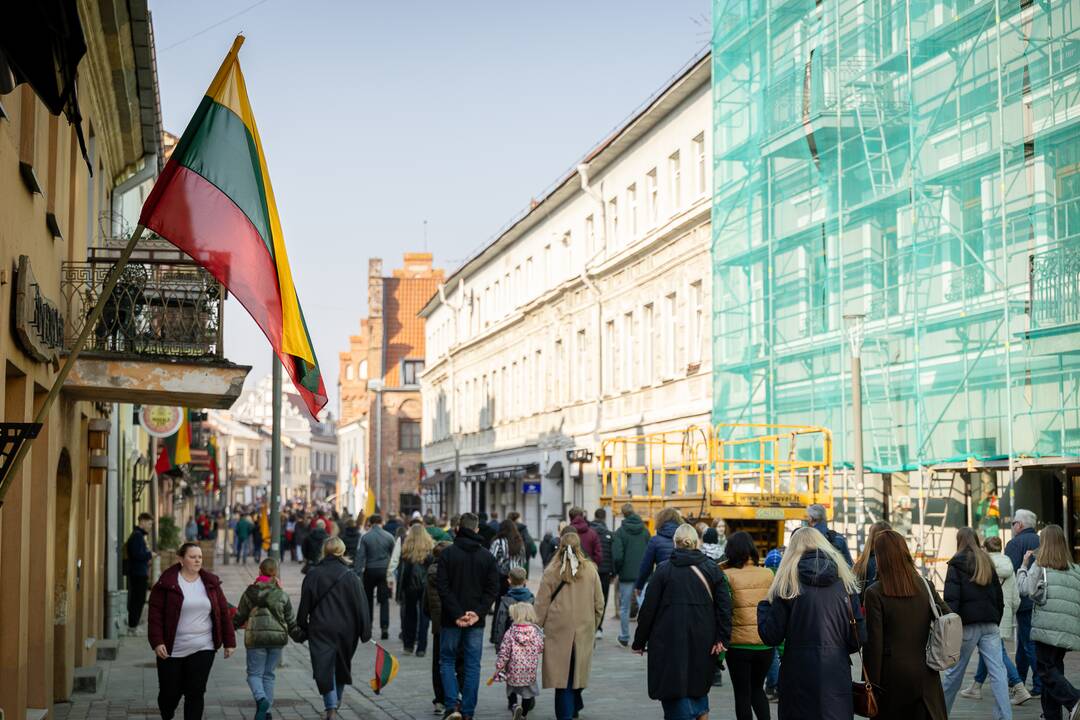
{"x":627,"y":355}
{"x":538,"y":381}
{"x":349,"y":372}
{"x":699,"y":160}
{"x":612,"y":240}
{"x":410,"y":371}
{"x":631,"y":208}
{"x":554,"y":376}
{"x":696,"y":321}
{"x":582,"y":365}
{"x":668,"y":342}
{"x":653,"y":189}
{"x":590,"y":237}
{"x":515,"y":392}
{"x":408,"y":435}
{"x":609,"y":355}
{"x":498,"y":305}
{"x":548,"y":275}
{"x":516,"y":298}
{"x":361,"y":370}
{"x":647,"y":345}
{"x":675,"y":179}
{"x":530,"y":281}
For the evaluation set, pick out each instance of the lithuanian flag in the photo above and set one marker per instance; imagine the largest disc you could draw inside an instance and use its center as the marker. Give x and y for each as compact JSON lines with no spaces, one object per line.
{"x":386,"y":667}
{"x":214,"y":201}
{"x":175,"y":449}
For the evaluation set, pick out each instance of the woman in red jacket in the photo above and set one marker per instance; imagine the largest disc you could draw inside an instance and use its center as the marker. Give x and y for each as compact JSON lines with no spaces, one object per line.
{"x":189,"y":620}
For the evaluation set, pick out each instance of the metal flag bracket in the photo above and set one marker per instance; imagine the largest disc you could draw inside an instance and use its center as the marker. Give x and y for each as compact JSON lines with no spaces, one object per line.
{"x":12,"y":436}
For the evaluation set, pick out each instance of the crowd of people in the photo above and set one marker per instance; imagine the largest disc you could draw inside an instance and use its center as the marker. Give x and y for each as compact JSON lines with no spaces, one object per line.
{"x":783,"y":626}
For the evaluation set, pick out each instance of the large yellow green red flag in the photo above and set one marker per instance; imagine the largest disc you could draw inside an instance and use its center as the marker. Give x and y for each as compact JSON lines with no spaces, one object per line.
{"x":214,"y":201}
{"x":175,"y":449}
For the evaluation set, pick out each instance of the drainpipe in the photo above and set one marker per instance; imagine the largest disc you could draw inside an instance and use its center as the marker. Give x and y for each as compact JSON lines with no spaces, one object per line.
{"x":455,"y":439}
{"x":148,"y":172}
{"x":598,"y":196}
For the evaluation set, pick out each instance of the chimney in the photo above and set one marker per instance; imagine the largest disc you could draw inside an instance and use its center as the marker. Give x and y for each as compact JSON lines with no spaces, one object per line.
{"x":375,"y":288}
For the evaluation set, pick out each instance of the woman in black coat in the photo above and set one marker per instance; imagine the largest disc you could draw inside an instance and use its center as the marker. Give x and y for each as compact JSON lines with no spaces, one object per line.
{"x":334,"y":616}
{"x":684,"y":622}
{"x":898,"y":616}
{"x":811,"y":603}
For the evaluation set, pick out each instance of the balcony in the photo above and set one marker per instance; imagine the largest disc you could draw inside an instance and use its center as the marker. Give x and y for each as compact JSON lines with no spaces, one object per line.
{"x":160,"y":337}
{"x":1055,"y":299}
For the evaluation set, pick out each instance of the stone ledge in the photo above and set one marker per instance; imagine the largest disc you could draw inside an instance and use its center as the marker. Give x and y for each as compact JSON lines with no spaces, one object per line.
{"x":87,"y":680}
{"x":107,"y":649}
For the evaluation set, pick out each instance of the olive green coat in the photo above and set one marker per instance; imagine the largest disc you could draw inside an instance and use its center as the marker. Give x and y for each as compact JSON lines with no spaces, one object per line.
{"x":268,"y":612}
{"x":569,"y":624}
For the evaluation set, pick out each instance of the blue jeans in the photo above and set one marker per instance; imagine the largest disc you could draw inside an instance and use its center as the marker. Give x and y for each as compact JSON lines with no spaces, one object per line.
{"x":685,"y":708}
{"x":568,"y":702}
{"x":986,"y":637}
{"x":1010,"y":669}
{"x":471,"y":642}
{"x":261,"y":664}
{"x":772,"y":680}
{"x":626,"y":597}
{"x":332,"y":699}
{"x":1025,"y":651}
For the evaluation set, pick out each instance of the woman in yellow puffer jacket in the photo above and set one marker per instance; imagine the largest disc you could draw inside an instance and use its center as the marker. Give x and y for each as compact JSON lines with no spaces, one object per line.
{"x":748,"y":658}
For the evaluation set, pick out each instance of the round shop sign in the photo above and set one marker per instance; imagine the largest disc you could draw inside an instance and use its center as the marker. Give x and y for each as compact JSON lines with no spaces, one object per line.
{"x":160,"y":421}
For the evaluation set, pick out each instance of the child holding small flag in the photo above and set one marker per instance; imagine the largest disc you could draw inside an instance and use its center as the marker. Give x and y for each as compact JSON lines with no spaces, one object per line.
{"x":519,"y":654}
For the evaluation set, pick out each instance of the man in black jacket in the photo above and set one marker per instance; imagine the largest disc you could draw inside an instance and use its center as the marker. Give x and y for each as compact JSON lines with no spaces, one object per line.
{"x":468,"y":583}
{"x":138,"y":557}
{"x":604,"y":568}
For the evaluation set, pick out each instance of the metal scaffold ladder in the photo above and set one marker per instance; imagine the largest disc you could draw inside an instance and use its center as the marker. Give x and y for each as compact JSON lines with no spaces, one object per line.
{"x":872,"y":132}
{"x":941,"y":487}
{"x":882,"y":429}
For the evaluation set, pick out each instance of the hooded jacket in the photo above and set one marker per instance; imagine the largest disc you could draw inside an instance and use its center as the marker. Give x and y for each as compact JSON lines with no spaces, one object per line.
{"x":815,"y":626}
{"x":519,"y":655}
{"x":1009,"y":591}
{"x":466,"y":579}
{"x":657,"y":551}
{"x":334,"y":615}
{"x":628,"y":547}
{"x":590,"y":541}
{"x":351,"y":537}
{"x":501,"y":622}
{"x":268,"y":613}
{"x":313,"y":545}
{"x":1015,"y":549}
{"x":973,"y":603}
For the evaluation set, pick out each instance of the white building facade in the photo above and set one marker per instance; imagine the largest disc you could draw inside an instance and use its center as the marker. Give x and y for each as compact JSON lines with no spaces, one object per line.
{"x":352,"y":478}
{"x":587,"y":318}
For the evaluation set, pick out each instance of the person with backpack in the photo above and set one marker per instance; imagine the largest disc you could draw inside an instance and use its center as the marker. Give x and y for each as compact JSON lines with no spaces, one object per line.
{"x":605,"y":567}
{"x":974,"y":593}
{"x":415,"y":557}
{"x":518,"y":657}
{"x":333,"y":618}
{"x":815,"y":518}
{"x":813,"y":610}
{"x":508,"y":549}
{"x":898,"y":618}
{"x":1052,"y":581}
{"x":266,"y":614}
{"x":517,"y":593}
{"x":659,"y":547}
{"x":627,"y":549}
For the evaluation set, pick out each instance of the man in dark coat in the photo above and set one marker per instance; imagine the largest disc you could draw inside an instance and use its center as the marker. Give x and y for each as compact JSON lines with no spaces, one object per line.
{"x":138,"y":556}
{"x":684,"y":624}
{"x":627,"y":550}
{"x":815,"y":677}
{"x":485,"y":531}
{"x":590,"y":541}
{"x":467,"y":581}
{"x":334,"y":616}
{"x":1024,"y":538}
{"x":815,"y":518}
{"x":604,"y":568}
{"x":300,"y":533}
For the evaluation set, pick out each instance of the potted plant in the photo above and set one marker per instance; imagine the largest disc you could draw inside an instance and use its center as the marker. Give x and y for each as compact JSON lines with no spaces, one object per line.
{"x":168,"y":541}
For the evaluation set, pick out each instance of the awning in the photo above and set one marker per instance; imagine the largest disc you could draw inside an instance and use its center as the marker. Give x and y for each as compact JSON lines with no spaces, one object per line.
{"x":436,"y":479}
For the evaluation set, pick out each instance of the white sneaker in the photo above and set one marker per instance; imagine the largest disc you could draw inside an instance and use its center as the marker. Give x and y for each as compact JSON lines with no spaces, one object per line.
{"x":1075,"y":713}
{"x":973,"y":691}
{"x":1018,"y":694}
{"x":599,"y":633}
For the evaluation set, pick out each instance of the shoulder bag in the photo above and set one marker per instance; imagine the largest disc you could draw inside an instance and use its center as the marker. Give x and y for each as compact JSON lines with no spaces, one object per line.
{"x":946,"y":636}
{"x":299,"y":635}
{"x":862,"y":693}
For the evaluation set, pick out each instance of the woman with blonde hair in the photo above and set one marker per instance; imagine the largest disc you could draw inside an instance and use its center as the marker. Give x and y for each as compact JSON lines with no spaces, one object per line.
{"x":334,"y":619}
{"x":569,"y":607}
{"x":1050,"y":578}
{"x":685,"y":622}
{"x":811,"y":606}
{"x":973,"y":592}
{"x":415,"y":555}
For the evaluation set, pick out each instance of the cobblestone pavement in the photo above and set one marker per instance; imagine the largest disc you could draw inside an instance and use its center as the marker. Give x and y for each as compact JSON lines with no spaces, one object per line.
{"x":617,"y":687}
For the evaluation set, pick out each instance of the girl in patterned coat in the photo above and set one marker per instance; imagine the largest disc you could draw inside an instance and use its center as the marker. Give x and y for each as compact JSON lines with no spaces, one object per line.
{"x":519,"y":654}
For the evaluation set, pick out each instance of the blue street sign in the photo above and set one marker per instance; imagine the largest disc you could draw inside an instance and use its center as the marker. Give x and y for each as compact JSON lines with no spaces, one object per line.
{"x":530,"y":488}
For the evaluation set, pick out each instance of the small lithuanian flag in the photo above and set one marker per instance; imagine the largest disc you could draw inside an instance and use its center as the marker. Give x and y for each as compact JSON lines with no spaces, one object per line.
{"x":386,"y":667}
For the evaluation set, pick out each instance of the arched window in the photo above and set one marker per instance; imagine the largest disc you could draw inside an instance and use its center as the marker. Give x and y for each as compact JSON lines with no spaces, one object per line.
{"x":361,"y":370}
{"x":348,"y":372}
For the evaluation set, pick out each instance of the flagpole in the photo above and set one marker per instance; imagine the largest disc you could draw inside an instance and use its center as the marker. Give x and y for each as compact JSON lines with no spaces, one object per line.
{"x":274,"y":506}
{"x":73,"y":355}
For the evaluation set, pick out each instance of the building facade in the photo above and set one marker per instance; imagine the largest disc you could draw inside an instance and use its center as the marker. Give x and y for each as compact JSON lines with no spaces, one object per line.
{"x":586,"y":318}
{"x":379,"y":380}
{"x":902,"y":182}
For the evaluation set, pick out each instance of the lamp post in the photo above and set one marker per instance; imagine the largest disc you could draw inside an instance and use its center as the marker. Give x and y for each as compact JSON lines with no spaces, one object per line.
{"x":855,"y":324}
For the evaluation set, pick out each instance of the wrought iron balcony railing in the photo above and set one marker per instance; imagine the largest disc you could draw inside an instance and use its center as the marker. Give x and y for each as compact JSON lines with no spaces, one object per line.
{"x":169,"y":310}
{"x":1055,"y":286}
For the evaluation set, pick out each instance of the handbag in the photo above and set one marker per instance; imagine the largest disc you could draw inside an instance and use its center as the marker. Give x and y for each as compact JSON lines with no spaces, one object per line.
{"x":863,"y":699}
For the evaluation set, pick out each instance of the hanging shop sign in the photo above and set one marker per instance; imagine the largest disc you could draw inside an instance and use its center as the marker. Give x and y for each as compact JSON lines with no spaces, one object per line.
{"x":39,"y":324}
{"x":160,"y":421}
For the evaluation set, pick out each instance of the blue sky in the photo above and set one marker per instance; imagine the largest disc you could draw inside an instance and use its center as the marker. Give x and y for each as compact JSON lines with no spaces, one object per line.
{"x":376,"y":116}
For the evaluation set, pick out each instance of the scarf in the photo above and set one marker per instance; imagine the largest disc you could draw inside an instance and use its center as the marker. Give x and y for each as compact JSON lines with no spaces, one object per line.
{"x":569,"y":560}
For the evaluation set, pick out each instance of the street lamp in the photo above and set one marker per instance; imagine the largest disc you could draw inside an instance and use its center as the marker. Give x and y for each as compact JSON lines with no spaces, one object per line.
{"x":855,"y":324}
